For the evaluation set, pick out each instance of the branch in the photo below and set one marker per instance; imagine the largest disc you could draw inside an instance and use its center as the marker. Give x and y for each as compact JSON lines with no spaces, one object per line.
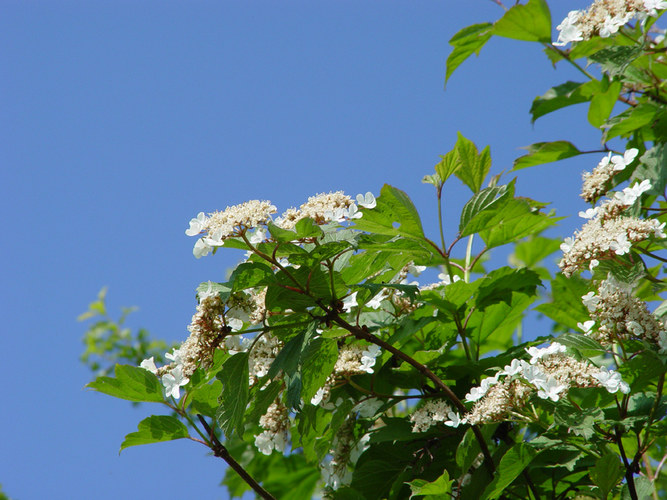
{"x":220,"y":451}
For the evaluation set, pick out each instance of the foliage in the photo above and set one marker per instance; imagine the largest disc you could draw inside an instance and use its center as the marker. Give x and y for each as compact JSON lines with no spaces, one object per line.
{"x":321,"y":368}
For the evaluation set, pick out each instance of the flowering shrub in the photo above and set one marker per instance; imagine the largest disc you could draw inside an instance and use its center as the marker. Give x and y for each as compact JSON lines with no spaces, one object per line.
{"x":324,"y":354}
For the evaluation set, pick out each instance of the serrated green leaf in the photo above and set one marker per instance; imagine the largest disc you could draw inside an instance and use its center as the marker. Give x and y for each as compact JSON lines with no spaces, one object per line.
{"x":585,"y":345}
{"x":580,"y":422}
{"x":156,"y":429}
{"x":607,"y":472}
{"x":395,"y":214}
{"x":515,"y":221}
{"x":263,"y":399}
{"x":482,"y":207}
{"x":654,"y":168}
{"x":318,"y":360}
{"x":467,"y":41}
{"x":511,"y":465}
{"x":474,"y":165}
{"x":602,"y":104}
{"x":530,"y":22}
{"x":630,"y":120}
{"x":566,"y":94}
{"x":534,"y":250}
{"x":545,"y":152}
{"x":447,"y":165}
{"x":565,"y":306}
{"x":234,"y":396}
{"x":615,"y":60}
{"x":204,"y":399}
{"x":131,"y":383}
{"x":440,"y":487}
{"x":499,"y":285}
{"x":249,"y":275}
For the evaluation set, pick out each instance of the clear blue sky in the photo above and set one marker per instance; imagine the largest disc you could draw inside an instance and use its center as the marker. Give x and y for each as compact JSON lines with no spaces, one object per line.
{"x":121,"y":120}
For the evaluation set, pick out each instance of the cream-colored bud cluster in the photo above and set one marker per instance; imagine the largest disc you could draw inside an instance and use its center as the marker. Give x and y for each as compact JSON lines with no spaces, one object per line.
{"x":621,"y":316}
{"x":433,"y":412}
{"x":353,"y":359}
{"x":597,"y":182}
{"x":275,"y":424}
{"x":346,"y":449}
{"x":322,"y":208}
{"x":239,"y":217}
{"x":262,"y":355}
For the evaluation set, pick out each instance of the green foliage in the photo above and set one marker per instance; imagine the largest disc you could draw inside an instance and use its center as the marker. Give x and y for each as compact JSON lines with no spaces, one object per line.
{"x":327,"y":372}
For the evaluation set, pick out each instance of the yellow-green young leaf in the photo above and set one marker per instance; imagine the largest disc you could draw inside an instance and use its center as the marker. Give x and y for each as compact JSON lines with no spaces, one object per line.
{"x":545,"y":152}
{"x":530,"y":22}
{"x":156,"y":429}
{"x":448,"y":165}
{"x":474,"y":165}
{"x":467,"y":41}
{"x":602,"y":104}
{"x":395,"y":214}
{"x":131,"y":383}
{"x":234,"y":396}
{"x":435,"y":489}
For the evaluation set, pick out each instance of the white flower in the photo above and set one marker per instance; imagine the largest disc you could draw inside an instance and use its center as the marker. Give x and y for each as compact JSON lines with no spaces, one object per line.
{"x":201,"y":249}
{"x":376,"y":301}
{"x":569,"y":30}
{"x":416,"y":270}
{"x":593,"y":264}
{"x":149,"y":364}
{"x":589,"y":214}
{"x":350,"y":301}
{"x":176,"y":357}
{"x":536,"y":353}
{"x":447,"y":279}
{"x":533,"y":374}
{"x":207,"y":293}
{"x":550,"y":389}
{"x":612,"y":381}
{"x":353,"y":212}
{"x":567,"y":244}
{"x":258,"y":236}
{"x":196,"y":225}
{"x":621,"y":245}
{"x":586,"y":326}
{"x":652,"y":6}
{"x":264,"y":443}
{"x":620,"y":162}
{"x":479,"y":392}
{"x":454,"y":419}
{"x":591,"y":301}
{"x":630,"y":194}
{"x":173,"y":380}
{"x":367,"y":201}
{"x":317,"y":398}
{"x":513,"y":368}
{"x":368,"y":358}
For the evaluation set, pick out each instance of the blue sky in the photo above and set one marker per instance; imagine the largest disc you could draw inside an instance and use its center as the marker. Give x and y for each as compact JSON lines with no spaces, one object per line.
{"x":121,"y":120}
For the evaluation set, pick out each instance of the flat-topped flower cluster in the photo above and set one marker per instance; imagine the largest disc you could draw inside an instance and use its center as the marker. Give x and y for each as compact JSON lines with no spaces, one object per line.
{"x":604,"y":18}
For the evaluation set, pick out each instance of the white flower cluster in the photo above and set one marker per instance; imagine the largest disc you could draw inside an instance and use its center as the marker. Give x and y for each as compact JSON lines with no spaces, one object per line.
{"x":353,"y":359}
{"x":604,"y":18}
{"x":326,"y":207}
{"x":232,"y":221}
{"x":263,"y":354}
{"x":335,"y":470}
{"x":275,"y":423}
{"x":596,"y":183}
{"x":608,"y":232}
{"x":620,"y":316}
{"x":549,"y":374}
{"x":434,"y":412}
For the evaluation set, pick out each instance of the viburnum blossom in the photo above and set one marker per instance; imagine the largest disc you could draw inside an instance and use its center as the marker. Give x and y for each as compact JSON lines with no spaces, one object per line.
{"x":433,"y":412}
{"x":604,"y":18}
{"x":322,"y":208}
{"x":275,"y":424}
{"x":549,"y":375}
{"x":597,"y":182}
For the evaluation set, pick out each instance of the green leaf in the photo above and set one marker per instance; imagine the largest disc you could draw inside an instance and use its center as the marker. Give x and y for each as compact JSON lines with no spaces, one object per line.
{"x":654,"y":168}
{"x":474,"y":165}
{"x":154,"y":430}
{"x":483,"y":206}
{"x":585,"y":345}
{"x":234,"y":396}
{"x":288,"y":357}
{"x":395,"y":214}
{"x":545,"y":152}
{"x":615,"y":60}
{"x":222,"y":289}
{"x":467,"y":41}
{"x":249,"y":275}
{"x":602,"y":104}
{"x":499,"y":285}
{"x":530,"y":22}
{"x":441,"y":487}
{"x":511,"y":465}
{"x":448,"y":165}
{"x":566,"y":94}
{"x":318,"y":360}
{"x":607,"y":472}
{"x":131,"y":383}
{"x":580,"y":422}
{"x":515,"y":221}
{"x":630,"y":120}
{"x":534,"y":250}
{"x":263,"y":399}
{"x":565,"y":306}
{"x":204,"y":399}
